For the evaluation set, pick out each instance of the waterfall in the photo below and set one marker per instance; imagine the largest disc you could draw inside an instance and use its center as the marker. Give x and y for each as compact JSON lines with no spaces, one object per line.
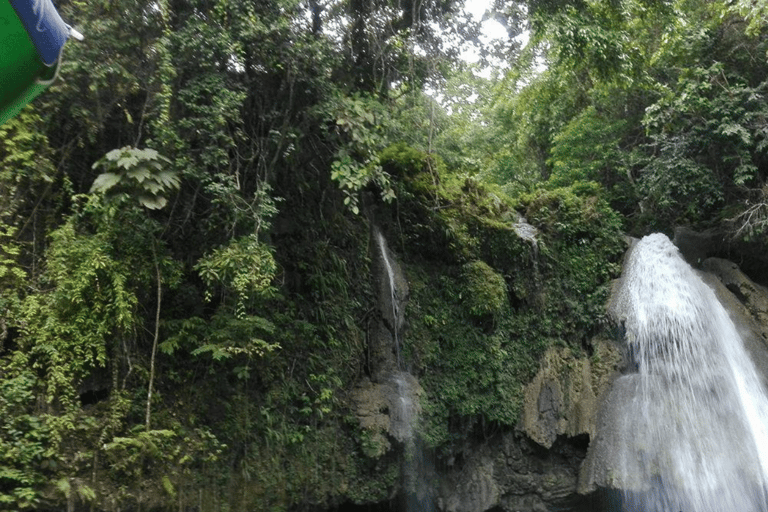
{"x":417,"y":492}
{"x":417,"y":481}
{"x":392,"y":293}
{"x":695,"y":421}
{"x":404,"y":414}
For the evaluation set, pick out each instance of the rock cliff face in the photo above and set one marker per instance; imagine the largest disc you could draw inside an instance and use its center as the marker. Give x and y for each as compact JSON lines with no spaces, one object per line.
{"x":510,"y":472}
{"x":746,"y":302}
{"x":388,"y":401}
{"x":536,"y":468}
{"x":533,"y":468}
{"x":563,"y":398}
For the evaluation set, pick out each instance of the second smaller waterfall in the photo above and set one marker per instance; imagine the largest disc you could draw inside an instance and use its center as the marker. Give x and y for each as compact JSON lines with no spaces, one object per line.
{"x":393,"y":294}
{"x":391,"y":372}
{"x":404,"y":411}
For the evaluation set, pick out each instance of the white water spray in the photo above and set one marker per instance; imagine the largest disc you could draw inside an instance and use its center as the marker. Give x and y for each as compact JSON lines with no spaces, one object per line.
{"x":404,"y":413}
{"x":696,"y":430}
{"x":392,"y":293}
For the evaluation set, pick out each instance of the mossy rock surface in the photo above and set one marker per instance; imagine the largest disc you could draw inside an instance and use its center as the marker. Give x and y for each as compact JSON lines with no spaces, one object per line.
{"x":486,"y":290}
{"x":565,"y":395}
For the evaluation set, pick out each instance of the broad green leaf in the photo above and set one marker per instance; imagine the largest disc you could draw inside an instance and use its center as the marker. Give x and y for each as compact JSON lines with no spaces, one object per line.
{"x":153,"y":186}
{"x":128,"y":161}
{"x":105,"y":181}
{"x":114,"y":155}
{"x":146,"y":154}
{"x":170,"y":179}
{"x":152,"y":202}
{"x":139,"y":173}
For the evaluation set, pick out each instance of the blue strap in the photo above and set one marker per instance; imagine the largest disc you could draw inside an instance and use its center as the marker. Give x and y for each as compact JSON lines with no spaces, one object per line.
{"x":45,"y":27}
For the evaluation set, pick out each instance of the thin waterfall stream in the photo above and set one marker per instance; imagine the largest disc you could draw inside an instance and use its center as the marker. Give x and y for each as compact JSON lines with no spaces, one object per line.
{"x":382,"y":243}
{"x":694,"y":426}
{"x":417,"y":493}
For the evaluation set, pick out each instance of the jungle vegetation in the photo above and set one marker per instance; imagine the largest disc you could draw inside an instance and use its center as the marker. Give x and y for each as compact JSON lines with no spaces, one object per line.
{"x":185,"y":285}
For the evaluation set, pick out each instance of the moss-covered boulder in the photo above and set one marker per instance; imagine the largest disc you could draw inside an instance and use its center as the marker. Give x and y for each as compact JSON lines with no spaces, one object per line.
{"x":485,"y":289}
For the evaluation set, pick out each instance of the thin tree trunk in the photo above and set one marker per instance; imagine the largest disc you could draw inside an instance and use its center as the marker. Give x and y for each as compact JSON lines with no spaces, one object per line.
{"x":157,"y":335}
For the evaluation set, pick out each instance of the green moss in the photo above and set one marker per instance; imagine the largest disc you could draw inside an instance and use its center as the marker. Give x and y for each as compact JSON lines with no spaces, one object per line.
{"x":485,"y":303}
{"x":373,"y":443}
{"x":485,"y":290}
{"x":402,"y":160}
{"x":581,"y":247}
{"x":472,"y":374}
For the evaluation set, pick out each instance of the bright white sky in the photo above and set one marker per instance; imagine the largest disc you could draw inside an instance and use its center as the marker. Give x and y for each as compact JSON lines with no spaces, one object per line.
{"x":492,"y":29}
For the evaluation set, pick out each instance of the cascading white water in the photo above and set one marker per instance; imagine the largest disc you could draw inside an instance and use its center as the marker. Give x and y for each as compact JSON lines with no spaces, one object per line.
{"x":404,"y":413}
{"x":418,"y":486}
{"x":392,"y":292}
{"x":696,"y":429}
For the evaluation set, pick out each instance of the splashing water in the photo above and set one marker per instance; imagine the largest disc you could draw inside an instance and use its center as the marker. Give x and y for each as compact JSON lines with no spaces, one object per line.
{"x":404,"y":413}
{"x":418,"y":483}
{"x":392,"y":292}
{"x":696,"y":430}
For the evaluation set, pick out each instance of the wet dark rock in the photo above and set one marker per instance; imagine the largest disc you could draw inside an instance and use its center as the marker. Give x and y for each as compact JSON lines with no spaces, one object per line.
{"x":697,"y":246}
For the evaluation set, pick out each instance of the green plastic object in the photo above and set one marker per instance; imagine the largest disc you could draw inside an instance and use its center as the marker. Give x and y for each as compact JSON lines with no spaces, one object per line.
{"x":31,"y":37}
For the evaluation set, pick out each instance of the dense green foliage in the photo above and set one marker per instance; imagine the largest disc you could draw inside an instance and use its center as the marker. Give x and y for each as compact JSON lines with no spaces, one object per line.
{"x":186,"y":292}
{"x":490,"y":292}
{"x":661,"y":104}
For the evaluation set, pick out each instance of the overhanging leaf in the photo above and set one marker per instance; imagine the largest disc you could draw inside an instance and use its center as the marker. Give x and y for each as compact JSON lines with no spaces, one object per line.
{"x":146,"y":154}
{"x":105,"y":181}
{"x":114,"y":155}
{"x":153,"y":186}
{"x":128,"y":161}
{"x":170,"y":179}
{"x":152,"y":202}
{"x":139,"y":173}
